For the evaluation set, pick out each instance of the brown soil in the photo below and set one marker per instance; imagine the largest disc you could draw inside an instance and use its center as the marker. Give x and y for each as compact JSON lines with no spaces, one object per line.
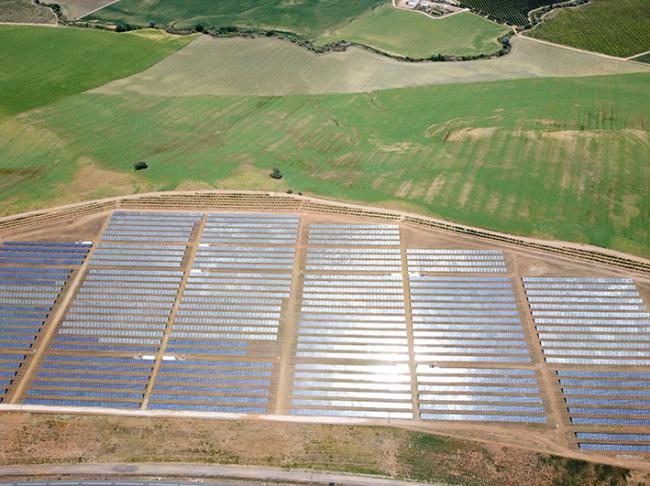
{"x":29,"y":439}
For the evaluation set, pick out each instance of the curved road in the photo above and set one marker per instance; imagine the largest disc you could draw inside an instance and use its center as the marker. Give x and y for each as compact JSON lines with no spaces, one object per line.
{"x":212,"y":471}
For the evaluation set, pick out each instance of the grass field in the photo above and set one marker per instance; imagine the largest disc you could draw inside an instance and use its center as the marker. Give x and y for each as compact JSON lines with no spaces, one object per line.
{"x":556,"y":158}
{"x":513,"y":12}
{"x":274,"y":67}
{"x":614,"y":27}
{"x":643,"y":58}
{"x":41,"y":64}
{"x":411,"y":34}
{"x":308,"y":18}
{"x":25,"y":11}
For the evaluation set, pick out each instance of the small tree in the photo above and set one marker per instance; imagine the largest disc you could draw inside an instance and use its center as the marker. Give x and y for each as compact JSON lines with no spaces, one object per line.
{"x":199,"y":28}
{"x":275,"y":174}
{"x":141,"y":165}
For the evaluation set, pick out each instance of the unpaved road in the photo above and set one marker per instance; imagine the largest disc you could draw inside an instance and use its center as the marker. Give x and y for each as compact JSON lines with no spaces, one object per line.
{"x":198,"y":471}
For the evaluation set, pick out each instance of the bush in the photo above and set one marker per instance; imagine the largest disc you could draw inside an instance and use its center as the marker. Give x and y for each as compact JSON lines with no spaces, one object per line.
{"x":275,"y":174}
{"x":140,"y":165}
{"x":199,"y":28}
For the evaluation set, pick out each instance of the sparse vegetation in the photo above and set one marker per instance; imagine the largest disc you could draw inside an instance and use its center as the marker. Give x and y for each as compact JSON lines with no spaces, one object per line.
{"x":25,"y":11}
{"x":369,"y":450}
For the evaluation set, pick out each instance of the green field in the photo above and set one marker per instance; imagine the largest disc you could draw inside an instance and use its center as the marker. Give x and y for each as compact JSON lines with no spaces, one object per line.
{"x":556,"y":158}
{"x":309,"y":18}
{"x":614,"y":27}
{"x":42,"y":64}
{"x":415,"y":35}
{"x":644,"y":58}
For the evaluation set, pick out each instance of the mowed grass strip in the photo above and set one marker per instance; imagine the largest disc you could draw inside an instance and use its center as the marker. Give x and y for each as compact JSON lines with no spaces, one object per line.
{"x":308,"y":18}
{"x":415,"y":35}
{"x":563,"y":158}
{"x":614,"y":27}
{"x":41,"y":64}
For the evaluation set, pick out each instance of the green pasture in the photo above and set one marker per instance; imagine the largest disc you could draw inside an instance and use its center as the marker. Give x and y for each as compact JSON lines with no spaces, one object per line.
{"x":39,"y":65}
{"x":555,"y":158}
{"x":308,"y":18}
{"x":614,"y":27}
{"x":412,"y":34}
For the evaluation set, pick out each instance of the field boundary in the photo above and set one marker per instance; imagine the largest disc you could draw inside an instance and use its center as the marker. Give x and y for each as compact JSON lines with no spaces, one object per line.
{"x":277,"y":202}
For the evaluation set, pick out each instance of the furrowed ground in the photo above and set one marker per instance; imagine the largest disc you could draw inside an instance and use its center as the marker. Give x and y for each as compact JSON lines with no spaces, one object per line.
{"x":74,"y":9}
{"x":614,"y":27}
{"x":25,"y":11}
{"x":556,"y":158}
{"x":29,"y":439}
{"x":513,"y":12}
{"x":274,"y":67}
{"x":411,"y":34}
{"x":41,"y":65}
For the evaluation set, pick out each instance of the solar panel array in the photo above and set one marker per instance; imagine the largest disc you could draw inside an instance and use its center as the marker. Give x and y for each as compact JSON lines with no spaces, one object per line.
{"x":355,"y":317}
{"x":456,"y":260}
{"x":9,"y":365}
{"x":590,"y":321}
{"x":27,"y":295}
{"x":479,"y":394}
{"x":352,"y":390}
{"x":200,"y":384}
{"x":90,"y":381}
{"x":223,"y":342}
{"x":155,"y":227}
{"x":43,"y":253}
{"x":608,"y":442}
{"x":352,"y":349}
{"x":606,"y":397}
{"x":466,"y":319}
{"x":123,"y":310}
{"x":138,"y":255}
{"x":246,"y":229}
{"x":354,"y":234}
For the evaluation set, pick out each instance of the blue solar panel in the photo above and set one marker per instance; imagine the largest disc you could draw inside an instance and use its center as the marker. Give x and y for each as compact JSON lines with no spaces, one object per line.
{"x":206,"y":408}
{"x":79,"y":403}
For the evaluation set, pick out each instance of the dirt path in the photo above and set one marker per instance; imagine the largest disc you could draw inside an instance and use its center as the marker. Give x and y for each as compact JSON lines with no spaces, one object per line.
{"x":205,"y":471}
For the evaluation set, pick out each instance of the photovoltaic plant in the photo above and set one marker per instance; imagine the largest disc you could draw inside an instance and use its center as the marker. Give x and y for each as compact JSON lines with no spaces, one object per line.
{"x":479,"y":394}
{"x":223,"y":344}
{"x":119,"y":310}
{"x":466,"y":319}
{"x":90,"y":381}
{"x":586,"y":322}
{"x":352,"y":350}
{"x":590,"y":321}
{"x":32,"y":277}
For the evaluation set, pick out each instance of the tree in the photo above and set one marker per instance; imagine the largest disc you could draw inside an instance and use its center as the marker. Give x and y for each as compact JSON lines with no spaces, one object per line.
{"x":199,"y":28}
{"x":141,"y":165}
{"x":275,"y":174}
